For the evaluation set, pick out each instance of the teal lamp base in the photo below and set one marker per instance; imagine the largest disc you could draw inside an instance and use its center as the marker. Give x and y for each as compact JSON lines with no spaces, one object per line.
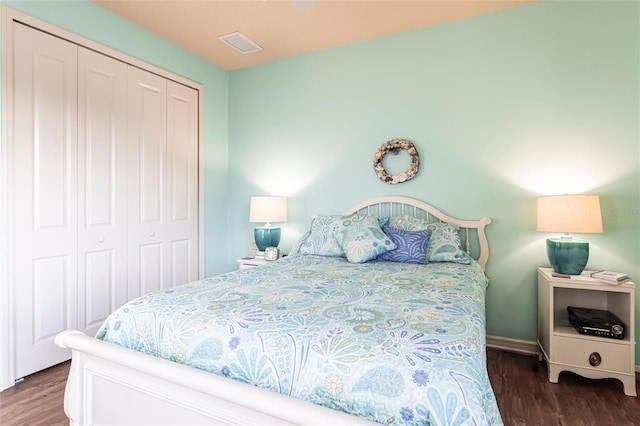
{"x":568,"y":255}
{"x":266,"y":237}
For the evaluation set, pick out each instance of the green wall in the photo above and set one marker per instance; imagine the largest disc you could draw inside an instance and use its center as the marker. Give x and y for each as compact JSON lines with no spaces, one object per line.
{"x":538,"y":99}
{"x":534,"y":100}
{"x":91,"y":22}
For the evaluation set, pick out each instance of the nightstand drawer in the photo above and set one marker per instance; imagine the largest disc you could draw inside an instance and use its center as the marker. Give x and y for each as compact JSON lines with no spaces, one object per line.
{"x":249,"y":262}
{"x":613,"y":357}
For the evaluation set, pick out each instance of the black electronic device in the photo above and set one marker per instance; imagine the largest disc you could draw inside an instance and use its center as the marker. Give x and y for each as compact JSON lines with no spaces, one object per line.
{"x":596,"y":322}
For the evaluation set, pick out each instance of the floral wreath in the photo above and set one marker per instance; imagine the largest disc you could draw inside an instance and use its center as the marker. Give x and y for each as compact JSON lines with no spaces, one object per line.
{"x":394,"y":146}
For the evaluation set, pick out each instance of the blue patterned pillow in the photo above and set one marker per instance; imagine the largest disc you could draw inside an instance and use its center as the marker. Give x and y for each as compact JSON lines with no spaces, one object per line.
{"x":296,"y":247}
{"x":321,"y":238}
{"x":362,"y":239}
{"x":411,"y":246}
{"x":444,"y":243}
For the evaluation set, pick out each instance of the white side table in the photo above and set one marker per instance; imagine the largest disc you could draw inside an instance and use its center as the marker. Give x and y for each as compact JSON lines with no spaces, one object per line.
{"x":250,"y":262}
{"x":564,"y":349}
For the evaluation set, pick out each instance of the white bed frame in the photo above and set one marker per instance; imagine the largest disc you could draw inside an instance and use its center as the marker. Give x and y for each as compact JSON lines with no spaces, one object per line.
{"x":111,"y":385}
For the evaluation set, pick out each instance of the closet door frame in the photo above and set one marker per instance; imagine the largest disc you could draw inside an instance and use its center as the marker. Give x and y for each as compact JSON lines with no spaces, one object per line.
{"x":7,"y":312}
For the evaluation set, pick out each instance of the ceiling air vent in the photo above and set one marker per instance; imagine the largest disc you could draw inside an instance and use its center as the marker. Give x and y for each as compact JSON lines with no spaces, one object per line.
{"x":240,"y":42}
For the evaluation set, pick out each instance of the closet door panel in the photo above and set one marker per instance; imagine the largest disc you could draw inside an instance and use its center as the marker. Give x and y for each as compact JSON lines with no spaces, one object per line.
{"x":147,"y":181}
{"x":98,"y":295}
{"x":181,"y":256}
{"x":182,"y":182}
{"x":102,"y":179}
{"x":151,"y":267}
{"x":43,"y":196}
{"x":49,"y":291}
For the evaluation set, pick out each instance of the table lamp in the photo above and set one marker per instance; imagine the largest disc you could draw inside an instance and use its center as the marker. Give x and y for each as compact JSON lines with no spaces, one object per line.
{"x":569,"y":214}
{"x":267,"y":210}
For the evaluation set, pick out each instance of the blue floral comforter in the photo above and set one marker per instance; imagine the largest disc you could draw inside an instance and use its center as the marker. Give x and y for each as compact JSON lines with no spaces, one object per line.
{"x":394,"y":343}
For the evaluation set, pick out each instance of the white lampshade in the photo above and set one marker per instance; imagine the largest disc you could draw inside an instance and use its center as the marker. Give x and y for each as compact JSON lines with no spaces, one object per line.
{"x":268,"y":209}
{"x":569,"y":214}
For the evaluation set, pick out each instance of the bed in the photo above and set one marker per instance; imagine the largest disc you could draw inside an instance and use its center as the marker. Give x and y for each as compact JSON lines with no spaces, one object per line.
{"x":377,"y":316}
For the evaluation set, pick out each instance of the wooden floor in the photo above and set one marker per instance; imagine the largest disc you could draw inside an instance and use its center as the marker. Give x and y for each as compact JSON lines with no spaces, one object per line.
{"x":524,"y":395}
{"x":37,"y":400}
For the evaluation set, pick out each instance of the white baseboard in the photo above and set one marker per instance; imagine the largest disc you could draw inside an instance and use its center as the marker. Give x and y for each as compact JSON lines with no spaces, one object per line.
{"x":524,"y":347}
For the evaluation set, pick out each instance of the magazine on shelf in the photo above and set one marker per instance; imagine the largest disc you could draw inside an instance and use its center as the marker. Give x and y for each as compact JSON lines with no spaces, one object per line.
{"x":610,"y":277}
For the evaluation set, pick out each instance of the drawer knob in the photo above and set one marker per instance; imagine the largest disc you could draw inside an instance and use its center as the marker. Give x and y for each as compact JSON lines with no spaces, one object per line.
{"x":595,"y":359}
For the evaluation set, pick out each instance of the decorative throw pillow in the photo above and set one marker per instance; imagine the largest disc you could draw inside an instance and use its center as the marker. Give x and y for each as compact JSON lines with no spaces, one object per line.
{"x":296,"y":248}
{"x":444,"y":244}
{"x":362,"y":239}
{"x":321,"y":239}
{"x":411,"y":246}
{"x":409,"y":223}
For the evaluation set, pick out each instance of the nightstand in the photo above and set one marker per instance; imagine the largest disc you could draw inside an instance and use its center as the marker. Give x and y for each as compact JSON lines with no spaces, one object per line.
{"x":250,"y":262}
{"x":564,"y":349}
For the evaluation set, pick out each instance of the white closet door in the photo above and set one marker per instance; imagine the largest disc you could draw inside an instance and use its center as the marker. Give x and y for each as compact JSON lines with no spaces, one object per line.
{"x":147,"y":178}
{"x":182,"y":183}
{"x":44,"y":197}
{"x":102,"y":182}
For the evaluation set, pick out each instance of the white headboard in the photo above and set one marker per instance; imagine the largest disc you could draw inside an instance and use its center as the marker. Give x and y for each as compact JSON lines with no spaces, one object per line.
{"x":396,"y":206}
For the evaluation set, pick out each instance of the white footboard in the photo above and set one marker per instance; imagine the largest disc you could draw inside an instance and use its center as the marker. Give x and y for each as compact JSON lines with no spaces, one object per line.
{"x":112,"y":385}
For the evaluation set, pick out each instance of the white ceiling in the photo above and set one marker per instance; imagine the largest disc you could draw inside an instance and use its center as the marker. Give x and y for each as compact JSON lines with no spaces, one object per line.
{"x":285,"y":28}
